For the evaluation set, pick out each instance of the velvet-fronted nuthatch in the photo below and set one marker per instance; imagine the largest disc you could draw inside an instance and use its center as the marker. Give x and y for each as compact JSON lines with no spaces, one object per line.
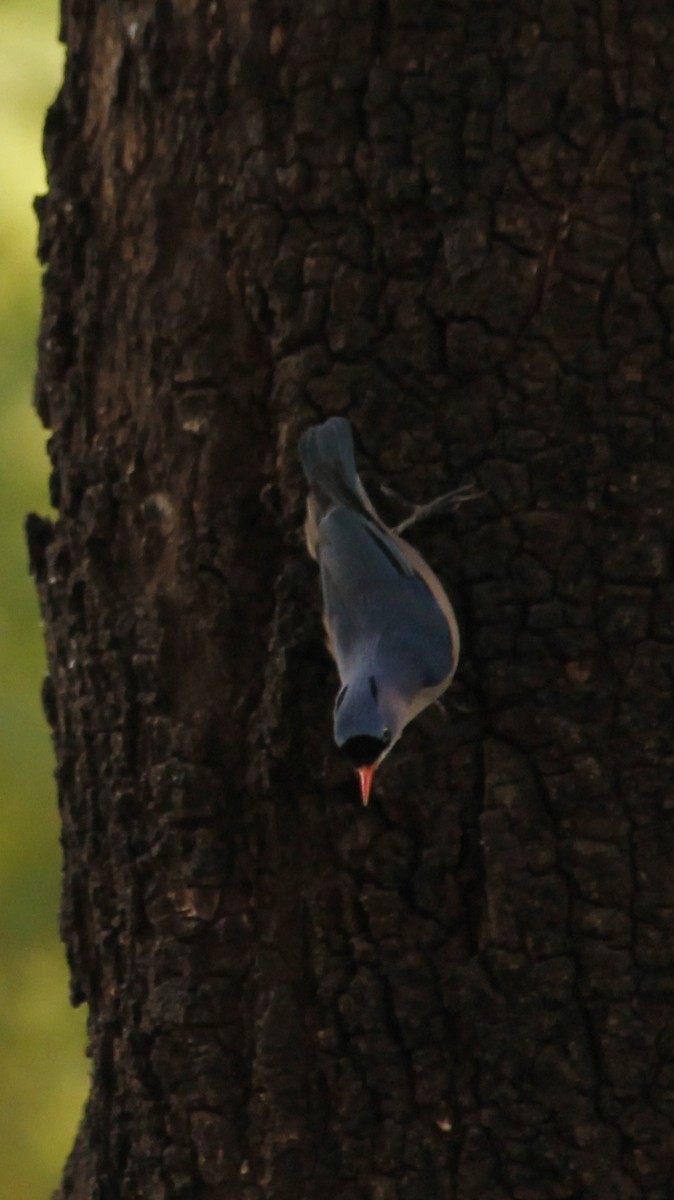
{"x":390,"y":625}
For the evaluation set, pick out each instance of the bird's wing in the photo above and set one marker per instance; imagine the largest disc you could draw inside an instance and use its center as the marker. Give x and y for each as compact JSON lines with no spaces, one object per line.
{"x":422,"y":569}
{"x":359,"y":552}
{"x":377,"y":603}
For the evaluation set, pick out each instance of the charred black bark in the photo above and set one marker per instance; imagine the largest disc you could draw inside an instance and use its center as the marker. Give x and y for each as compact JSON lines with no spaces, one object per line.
{"x":455,"y":225}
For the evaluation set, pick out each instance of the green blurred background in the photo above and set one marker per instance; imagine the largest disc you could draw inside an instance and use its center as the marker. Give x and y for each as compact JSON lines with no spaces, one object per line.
{"x":43,"y":1071}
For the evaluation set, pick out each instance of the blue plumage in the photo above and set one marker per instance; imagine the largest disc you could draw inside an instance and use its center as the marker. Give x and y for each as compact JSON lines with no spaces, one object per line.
{"x":391,"y":627}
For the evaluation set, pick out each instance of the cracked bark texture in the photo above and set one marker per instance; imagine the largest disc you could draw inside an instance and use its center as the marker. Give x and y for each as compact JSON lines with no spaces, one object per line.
{"x":455,"y":224}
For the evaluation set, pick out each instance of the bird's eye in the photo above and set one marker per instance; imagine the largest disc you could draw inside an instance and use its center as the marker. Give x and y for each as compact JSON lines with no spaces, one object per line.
{"x":386,"y":734}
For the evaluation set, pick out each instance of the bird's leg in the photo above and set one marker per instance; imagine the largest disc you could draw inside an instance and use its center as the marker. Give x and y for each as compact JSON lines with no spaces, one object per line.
{"x":447,"y":503}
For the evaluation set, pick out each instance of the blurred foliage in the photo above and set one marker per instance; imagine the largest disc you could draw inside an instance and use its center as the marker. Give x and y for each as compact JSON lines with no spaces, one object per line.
{"x":42,"y":1064}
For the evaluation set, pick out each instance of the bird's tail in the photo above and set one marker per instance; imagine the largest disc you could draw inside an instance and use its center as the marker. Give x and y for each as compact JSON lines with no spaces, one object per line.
{"x":327,"y":458}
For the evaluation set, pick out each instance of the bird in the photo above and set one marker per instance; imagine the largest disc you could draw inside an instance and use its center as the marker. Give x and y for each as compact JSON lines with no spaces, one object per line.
{"x":390,"y":624}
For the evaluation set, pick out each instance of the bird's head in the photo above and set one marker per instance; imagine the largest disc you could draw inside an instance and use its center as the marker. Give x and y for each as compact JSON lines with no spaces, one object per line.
{"x":367,"y":724}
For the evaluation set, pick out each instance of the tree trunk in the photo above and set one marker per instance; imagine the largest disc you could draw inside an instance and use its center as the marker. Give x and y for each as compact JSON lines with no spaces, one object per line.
{"x":454,"y":224}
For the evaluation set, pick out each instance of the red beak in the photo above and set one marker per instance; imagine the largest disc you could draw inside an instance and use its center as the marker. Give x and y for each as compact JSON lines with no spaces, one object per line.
{"x":366,"y":775}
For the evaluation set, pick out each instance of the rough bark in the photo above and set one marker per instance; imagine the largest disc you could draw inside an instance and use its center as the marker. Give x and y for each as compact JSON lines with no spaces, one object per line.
{"x":455,"y":224}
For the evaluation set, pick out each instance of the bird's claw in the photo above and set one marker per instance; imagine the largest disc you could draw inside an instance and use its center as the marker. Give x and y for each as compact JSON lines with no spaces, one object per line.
{"x":447,"y":503}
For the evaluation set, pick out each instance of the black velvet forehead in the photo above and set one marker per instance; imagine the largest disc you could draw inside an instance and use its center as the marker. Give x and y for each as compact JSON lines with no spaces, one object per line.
{"x":363,"y":751}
